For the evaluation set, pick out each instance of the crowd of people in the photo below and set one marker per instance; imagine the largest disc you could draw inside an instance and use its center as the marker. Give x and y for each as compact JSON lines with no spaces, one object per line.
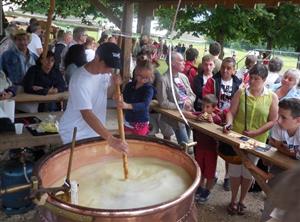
{"x":256,"y":101}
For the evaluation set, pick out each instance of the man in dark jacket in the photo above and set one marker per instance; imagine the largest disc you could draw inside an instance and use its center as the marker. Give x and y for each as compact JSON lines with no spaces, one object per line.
{"x":205,"y":72}
{"x":224,"y":84}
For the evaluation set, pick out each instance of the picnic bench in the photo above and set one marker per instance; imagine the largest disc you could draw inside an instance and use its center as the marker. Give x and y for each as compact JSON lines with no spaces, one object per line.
{"x":215,"y":131}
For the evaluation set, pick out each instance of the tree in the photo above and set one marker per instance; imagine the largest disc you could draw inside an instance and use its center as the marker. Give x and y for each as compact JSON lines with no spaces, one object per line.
{"x":220,"y":24}
{"x":64,"y":8}
{"x":276,"y":26}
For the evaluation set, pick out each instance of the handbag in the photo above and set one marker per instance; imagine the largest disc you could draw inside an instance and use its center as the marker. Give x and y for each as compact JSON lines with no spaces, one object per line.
{"x":225,"y":151}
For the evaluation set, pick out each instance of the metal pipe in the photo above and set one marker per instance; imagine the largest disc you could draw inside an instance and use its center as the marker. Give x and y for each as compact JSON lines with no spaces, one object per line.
{"x":15,"y":188}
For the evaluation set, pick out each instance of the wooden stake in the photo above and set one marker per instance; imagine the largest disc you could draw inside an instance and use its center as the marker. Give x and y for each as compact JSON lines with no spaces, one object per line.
{"x":48,"y":26}
{"x":121,"y":131}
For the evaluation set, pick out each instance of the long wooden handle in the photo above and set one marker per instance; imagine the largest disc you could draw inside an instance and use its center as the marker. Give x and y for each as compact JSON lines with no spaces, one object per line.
{"x":121,"y":131}
{"x":71,"y":155}
{"x":48,"y":26}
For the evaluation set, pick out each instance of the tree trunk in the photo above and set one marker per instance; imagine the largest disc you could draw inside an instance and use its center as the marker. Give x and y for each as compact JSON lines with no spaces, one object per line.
{"x":127,"y":42}
{"x":220,"y":39}
{"x":3,"y":21}
{"x":298,"y":59}
{"x":269,"y":46}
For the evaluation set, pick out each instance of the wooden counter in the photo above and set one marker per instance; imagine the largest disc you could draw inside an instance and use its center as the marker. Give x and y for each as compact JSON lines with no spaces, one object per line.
{"x":215,"y":131}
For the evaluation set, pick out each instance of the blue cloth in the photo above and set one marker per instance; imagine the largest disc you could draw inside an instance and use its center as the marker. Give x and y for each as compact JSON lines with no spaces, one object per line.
{"x":15,"y":64}
{"x":140,"y":100}
{"x":293,"y":93}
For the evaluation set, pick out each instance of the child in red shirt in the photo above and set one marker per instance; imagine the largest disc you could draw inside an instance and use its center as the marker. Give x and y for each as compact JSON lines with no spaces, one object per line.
{"x":206,"y":149}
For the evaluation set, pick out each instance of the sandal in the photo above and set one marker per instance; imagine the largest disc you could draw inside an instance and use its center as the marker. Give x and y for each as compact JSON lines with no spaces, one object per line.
{"x":241,"y":209}
{"x":232,"y":209}
{"x":242,"y":205}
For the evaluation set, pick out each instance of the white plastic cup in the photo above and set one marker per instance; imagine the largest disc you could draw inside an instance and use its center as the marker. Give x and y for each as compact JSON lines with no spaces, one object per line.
{"x":19,"y":128}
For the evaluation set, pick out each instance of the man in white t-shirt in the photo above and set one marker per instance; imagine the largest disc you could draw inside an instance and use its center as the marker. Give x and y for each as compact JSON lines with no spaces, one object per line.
{"x":35,"y":45}
{"x":285,"y":136}
{"x":88,"y":89}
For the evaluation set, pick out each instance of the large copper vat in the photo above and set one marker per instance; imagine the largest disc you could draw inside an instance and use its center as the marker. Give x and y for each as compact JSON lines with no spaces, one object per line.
{"x":54,"y":167}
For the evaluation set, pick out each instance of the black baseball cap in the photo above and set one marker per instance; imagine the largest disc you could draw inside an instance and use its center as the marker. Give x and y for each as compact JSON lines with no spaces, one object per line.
{"x":110,"y":53}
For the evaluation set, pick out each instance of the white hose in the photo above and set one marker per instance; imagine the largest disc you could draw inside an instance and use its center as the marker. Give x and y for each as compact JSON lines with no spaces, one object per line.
{"x":25,"y":173}
{"x":170,"y":66}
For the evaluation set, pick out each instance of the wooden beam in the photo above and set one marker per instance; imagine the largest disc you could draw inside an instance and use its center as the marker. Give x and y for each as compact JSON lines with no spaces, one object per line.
{"x":127,"y":41}
{"x":2,"y":34}
{"x":212,"y":3}
{"x":107,"y":12}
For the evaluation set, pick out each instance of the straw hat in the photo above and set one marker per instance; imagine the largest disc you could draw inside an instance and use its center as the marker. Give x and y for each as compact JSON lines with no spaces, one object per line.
{"x":19,"y":32}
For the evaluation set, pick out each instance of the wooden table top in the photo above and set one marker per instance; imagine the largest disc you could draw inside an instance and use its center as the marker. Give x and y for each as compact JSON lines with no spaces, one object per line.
{"x":27,"y":98}
{"x":215,"y":131}
{"x":10,"y":140}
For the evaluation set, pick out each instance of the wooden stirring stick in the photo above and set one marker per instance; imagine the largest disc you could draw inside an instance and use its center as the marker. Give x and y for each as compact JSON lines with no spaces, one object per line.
{"x":66,"y":195}
{"x":121,"y":130}
{"x":71,"y":155}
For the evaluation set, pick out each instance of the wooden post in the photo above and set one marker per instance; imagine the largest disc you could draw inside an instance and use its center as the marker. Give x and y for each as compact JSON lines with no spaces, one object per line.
{"x":145,"y":16}
{"x":1,"y":21}
{"x":127,"y":41}
{"x":48,"y":26}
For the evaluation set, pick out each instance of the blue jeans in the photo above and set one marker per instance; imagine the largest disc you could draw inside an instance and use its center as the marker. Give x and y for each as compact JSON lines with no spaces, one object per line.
{"x":181,"y":133}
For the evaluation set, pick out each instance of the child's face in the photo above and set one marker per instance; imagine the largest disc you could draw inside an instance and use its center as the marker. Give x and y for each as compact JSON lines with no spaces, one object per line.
{"x":208,"y":66}
{"x":227,"y":70}
{"x":208,"y":108}
{"x":286,"y":120}
{"x":143,"y":76}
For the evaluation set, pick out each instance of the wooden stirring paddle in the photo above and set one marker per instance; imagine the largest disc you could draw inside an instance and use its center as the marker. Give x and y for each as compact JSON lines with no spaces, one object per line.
{"x":121,"y":129}
{"x":71,"y":156}
{"x":66,"y":195}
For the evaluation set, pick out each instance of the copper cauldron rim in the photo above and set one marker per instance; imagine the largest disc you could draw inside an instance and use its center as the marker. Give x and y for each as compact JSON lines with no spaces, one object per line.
{"x":119,"y":212}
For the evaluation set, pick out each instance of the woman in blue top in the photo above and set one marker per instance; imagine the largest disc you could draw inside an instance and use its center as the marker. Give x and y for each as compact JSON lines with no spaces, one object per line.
{"x":137,"y":98}
{"x":288,"y":86}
